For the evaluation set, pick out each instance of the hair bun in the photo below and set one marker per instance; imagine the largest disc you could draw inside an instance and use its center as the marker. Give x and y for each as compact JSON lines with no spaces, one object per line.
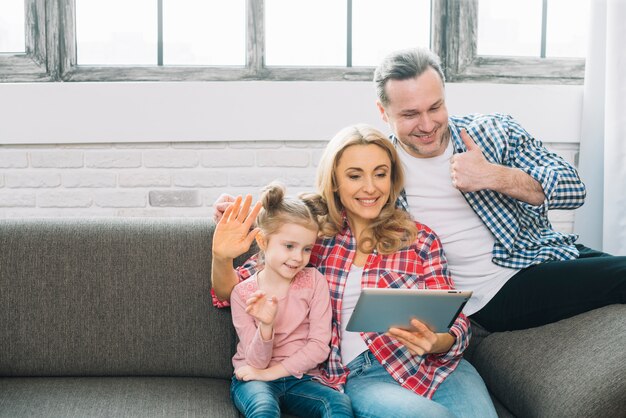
{"x":272,"y":196}
{"x":315,"y":202}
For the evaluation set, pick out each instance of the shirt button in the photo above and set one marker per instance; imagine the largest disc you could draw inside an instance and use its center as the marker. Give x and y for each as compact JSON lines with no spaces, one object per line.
{"x":369,"y":341}
{"x":401,"y":380}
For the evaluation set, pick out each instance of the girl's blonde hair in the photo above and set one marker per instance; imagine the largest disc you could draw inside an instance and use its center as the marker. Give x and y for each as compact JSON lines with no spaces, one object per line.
{"x":279,"y":209}
{"x":393,"y":229}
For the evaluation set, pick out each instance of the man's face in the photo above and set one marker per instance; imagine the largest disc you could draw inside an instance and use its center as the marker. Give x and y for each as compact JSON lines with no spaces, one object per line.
{"x":417,"y":114}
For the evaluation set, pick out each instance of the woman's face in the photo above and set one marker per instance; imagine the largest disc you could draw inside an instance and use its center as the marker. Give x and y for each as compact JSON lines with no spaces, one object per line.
{"x":363,"y":176}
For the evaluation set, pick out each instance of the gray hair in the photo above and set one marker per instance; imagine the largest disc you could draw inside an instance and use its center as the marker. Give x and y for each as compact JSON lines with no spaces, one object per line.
{"x":402,"y":65}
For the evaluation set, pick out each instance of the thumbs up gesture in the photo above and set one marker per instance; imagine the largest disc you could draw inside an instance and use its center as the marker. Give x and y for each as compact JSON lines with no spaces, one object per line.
{"x":470,"y":171}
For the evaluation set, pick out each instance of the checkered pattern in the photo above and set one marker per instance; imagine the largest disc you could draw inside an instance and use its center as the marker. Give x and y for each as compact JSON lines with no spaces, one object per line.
{"x":524,"y":236}
{"x":421,"y":265}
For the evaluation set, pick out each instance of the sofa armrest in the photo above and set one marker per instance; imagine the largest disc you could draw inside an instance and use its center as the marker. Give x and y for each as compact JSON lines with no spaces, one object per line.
{"x":572,"y":368}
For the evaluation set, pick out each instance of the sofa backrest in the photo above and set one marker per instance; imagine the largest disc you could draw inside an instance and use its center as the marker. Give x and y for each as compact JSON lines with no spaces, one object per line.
{"x":110,"y":296}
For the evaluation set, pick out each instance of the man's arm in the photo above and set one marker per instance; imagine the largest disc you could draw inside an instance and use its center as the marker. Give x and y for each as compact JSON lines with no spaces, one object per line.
{"x":471,"y":172}
{"x":232,"y":237}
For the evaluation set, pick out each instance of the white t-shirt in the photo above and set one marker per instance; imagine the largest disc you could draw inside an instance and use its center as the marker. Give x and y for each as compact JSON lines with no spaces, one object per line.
{"x":351,"y":343}
{"x":467,"y":242}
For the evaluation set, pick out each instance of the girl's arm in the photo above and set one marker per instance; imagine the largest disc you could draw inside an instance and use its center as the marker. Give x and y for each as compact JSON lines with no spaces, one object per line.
{"x":258,"y":351}
{"x":271,"y":373}
{"x":317,"y":348}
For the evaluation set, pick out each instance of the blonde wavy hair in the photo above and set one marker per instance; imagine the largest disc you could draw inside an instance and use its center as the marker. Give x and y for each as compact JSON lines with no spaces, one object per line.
{"x":393,"y":229}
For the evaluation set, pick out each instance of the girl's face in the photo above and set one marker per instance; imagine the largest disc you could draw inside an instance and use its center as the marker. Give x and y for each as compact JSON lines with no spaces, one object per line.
{"x":363,"y":176}
{"x":288,"y":250}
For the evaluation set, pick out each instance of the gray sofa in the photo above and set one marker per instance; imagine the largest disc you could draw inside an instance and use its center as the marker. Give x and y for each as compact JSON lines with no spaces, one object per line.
{"x":112,"y":317}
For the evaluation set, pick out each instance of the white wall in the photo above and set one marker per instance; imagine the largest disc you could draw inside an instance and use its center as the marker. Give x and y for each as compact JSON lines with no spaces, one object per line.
{"x":169,"y":149}
{"x":250,"y":111}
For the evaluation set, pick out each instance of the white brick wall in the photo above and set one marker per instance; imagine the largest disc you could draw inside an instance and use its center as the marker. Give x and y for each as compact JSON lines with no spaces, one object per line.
{"x":162,"y":179}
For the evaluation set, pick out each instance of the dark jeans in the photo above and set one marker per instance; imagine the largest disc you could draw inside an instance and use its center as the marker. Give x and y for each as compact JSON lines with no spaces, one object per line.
{"x":556,"y":290}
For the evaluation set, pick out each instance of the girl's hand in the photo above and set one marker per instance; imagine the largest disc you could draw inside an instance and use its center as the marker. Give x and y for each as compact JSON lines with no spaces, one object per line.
{"x":262,"y":308}
{"x":247,"y":373}
{"x":423,"y":340}
{"x":232,"y":236}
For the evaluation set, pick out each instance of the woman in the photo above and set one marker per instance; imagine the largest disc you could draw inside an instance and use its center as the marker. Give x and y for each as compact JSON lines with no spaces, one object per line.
{"x":367,"y":242}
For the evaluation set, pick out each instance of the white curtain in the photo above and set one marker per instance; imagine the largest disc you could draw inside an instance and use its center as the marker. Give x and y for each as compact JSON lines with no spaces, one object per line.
{"x":601,"y":222}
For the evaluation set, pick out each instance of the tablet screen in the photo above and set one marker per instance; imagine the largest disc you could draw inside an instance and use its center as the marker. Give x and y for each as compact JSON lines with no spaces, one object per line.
{"x":377,"y":310}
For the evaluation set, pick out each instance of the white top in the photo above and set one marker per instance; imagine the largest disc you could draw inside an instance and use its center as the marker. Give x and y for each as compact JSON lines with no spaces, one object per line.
{"x":467,"y":242}
{"x":351,"y":343}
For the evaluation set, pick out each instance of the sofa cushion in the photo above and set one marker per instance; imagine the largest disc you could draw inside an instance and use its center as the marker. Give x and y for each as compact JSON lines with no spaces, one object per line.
{"x":583,"y":375}
{"x":106,"y":297}
{"x":115,"y":397}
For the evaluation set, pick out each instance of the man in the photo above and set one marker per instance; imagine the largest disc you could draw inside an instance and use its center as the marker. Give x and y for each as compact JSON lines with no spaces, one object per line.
{"x":485,"y":185}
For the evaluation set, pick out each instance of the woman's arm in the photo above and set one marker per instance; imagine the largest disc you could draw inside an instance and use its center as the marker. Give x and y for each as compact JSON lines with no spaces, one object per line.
{"x":232,"y":237}
{"x":436,"y":276}
{"x":423,"y":340}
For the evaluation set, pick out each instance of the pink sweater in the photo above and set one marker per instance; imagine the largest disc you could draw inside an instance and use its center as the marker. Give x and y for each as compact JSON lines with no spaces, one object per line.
{"x":302,"y":326}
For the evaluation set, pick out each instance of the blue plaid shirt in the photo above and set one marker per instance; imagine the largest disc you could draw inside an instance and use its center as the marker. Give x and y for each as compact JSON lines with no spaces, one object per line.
{"x":524,"y":236}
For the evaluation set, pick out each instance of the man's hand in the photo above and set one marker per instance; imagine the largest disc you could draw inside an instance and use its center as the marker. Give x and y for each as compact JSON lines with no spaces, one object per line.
{"x":220,"y":205}
{"x":422,"y":340}
{"x":232,"y":236}
{"x":470,"y":170}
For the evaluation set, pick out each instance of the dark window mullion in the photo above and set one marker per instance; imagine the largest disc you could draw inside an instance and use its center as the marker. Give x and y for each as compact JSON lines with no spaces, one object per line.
{"x":160,"y":33}
{"x":349,"y":36}
{"x":544,"y":27}
{"x":255,"y":37}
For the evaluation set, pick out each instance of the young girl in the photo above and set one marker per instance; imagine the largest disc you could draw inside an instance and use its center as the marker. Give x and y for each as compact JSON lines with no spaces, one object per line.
{"x":283,"y":317}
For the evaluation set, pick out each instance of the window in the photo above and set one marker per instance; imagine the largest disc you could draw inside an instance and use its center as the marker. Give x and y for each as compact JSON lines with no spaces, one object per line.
{"x":350,"y":33}
{"x":23,"y":52}
{"x":108,"y":33}
{"x":12,"y":27}
{"x":159,"y":40}
{"x":554,"y":28}
{"x":167,"y":32}
{"x":377,"y":30}
{"x":546,"y":28}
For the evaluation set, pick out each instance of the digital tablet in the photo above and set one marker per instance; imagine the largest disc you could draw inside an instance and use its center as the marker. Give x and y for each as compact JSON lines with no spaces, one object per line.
{"x":377,"y":310}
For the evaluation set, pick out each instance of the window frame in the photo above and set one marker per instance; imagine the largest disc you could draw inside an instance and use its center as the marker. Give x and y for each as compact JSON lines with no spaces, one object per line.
{"x":38,"y":63}
{"x":51,"y":54}
{"x":457,"y":42}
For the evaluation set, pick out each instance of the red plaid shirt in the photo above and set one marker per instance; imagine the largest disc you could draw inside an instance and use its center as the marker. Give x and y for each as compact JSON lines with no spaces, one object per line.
{"x":421,"y":265}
